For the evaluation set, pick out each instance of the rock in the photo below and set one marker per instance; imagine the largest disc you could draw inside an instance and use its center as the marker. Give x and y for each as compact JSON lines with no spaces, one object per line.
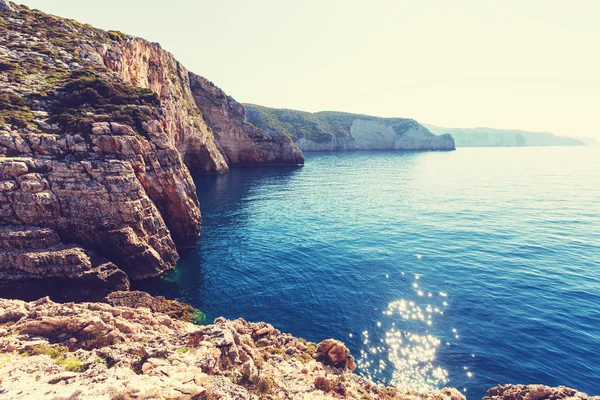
{"x":137,"y":299}
{"x":241,"y":142}
{"x":7,"y":6}
{"x":335,"y":353}
{"x":535,"y":392}
{"x":147,"y":65}
{"x":121,"y":352}
{"x":109,"y":170}
{"x":38,"y":257}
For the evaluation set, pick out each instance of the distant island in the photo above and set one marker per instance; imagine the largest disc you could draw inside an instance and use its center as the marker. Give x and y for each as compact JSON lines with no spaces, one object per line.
{"x":340,"y":131}
{"x":490,"y":137}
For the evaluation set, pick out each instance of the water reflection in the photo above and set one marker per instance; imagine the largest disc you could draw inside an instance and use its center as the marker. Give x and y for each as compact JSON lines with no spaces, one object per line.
{"x":402,"y":350}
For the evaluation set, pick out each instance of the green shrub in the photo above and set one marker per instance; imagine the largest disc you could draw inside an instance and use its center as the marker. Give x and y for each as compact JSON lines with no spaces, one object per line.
{"x":198,"y":317}
{"x":12,"y":101}
{"x":109,"y":99}
{"x":72,"y":364}
{"x":59,"y":355}
{"x":7,"y":66}
{"x":116,"y":36}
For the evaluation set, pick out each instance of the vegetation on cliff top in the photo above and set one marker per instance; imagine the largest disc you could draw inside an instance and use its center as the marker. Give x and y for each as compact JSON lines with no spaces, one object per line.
{"x":319,"y":127}
{"x":89,"y":96}
{"x":50,"y":77}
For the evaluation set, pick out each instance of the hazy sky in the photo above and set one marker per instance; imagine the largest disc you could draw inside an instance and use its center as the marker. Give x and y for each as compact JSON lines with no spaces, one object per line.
{"x":529,"y":64}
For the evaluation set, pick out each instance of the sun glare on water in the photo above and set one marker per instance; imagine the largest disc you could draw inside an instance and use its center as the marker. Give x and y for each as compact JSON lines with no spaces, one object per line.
{"x":402,"y":350}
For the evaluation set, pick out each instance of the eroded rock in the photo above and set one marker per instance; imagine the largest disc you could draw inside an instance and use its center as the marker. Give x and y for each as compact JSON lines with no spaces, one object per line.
{"x":137,"y":299}
{"x":121,"y":352}
{"x":535,"y":392}
{"x":242,"y":143}
{"x":335,"y":353}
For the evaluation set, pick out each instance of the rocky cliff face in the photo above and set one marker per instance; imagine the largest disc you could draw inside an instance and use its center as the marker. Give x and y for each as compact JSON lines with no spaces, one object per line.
{"x":336,"y":131}
{"x":241,"y":142}
{"x":146,"y":65}
{"x":25,"y":251}
{"x":98,"y":134}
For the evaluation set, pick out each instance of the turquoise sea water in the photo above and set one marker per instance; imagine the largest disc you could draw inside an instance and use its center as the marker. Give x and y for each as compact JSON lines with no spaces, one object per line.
{"x":469,"y":268}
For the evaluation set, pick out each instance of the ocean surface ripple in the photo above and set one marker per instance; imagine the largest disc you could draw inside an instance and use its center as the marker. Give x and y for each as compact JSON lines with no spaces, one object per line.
{"x":469,"y":268}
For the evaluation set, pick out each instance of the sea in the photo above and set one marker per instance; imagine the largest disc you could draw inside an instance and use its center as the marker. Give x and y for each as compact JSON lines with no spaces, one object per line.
{"x":468,"y":269}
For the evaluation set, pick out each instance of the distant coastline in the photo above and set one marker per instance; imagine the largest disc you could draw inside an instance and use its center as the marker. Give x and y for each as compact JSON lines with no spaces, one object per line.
{"x":341,"y":131}
{"x":492,"y":137}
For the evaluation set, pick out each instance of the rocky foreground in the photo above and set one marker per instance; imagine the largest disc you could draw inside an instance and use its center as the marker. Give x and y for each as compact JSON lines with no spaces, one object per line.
{"x":115,"y":351}
{"x":101,"y":351}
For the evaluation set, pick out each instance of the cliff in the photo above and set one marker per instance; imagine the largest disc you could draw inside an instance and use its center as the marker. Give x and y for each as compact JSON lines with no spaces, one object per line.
{"x":337,"y":131}
{"x":99,"y":132}
{"x":490,"y":137}
{"x":242,"y":143}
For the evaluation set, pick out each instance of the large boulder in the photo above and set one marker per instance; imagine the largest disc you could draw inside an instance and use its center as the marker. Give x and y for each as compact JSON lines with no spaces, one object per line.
{"x":335,"y":353}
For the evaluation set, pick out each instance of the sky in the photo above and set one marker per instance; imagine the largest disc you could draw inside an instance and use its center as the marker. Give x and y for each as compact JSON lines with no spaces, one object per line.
{"x":522,"y":64}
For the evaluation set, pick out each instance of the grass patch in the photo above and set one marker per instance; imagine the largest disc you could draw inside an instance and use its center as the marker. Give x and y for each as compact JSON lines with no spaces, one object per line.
{"x":117,"y":36}
{"x":54,"y":352}
{"x":72,"y":364}
{"x":59,"y":355}
{"x":303,"y":357}
{"x":276,"y":350}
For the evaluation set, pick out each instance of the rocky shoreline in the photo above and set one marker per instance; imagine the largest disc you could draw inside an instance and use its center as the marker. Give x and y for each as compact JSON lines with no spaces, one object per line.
{"x":100,"y":133}
{"x":139,"y":347}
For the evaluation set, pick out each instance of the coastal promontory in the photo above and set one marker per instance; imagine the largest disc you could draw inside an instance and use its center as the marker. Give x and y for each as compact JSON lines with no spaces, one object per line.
{"x":339,"y":131}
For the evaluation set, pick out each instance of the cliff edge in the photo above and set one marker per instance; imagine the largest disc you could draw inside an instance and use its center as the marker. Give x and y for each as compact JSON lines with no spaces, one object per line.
{"x":100,"y":133}
{"x":242,"y":143}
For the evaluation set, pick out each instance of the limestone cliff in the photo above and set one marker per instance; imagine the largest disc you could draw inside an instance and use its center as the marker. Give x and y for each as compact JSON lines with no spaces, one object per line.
{"x":241,"y":142}
{"x":337,"y":131}
{"x":98,"y":134}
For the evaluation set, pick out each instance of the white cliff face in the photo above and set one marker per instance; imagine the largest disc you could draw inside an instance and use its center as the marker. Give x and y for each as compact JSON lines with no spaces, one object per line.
{"x":335,"y":144}
{"x":378,"y":135}
{"x":373,"y":135}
